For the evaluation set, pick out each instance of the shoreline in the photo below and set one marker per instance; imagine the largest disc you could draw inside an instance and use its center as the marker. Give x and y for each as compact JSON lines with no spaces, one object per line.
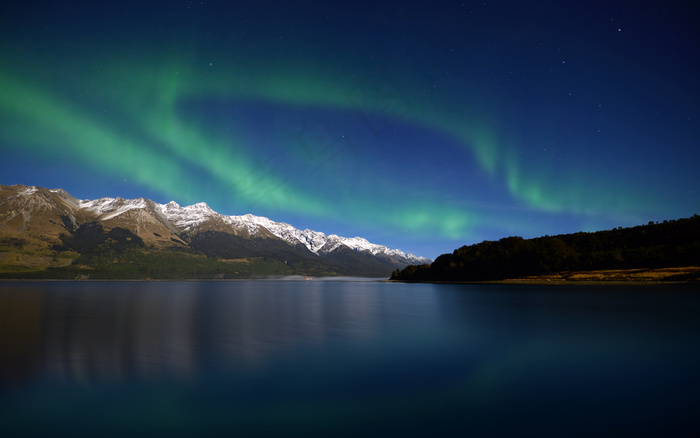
{"x":683,"y":274}
{"x":658,"y":276}
{"x":638,"y":276}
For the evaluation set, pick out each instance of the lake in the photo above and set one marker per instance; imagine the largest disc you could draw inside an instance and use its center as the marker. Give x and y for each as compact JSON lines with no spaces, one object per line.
{"x":347,"y":358}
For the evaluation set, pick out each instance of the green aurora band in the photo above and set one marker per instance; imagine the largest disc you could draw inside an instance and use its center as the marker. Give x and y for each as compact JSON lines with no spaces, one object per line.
{"x":142,"y":102}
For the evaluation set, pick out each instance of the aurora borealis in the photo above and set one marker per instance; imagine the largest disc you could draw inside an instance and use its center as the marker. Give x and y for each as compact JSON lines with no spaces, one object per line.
{"x":420,"y":126}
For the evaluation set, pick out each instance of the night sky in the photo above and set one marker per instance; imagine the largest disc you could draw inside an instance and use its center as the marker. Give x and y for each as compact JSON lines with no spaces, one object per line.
{"x":422,"y":126}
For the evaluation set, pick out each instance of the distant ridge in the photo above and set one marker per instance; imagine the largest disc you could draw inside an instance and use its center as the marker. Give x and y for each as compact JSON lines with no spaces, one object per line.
{"x":45,"y":233}
{"x":605,"y":255}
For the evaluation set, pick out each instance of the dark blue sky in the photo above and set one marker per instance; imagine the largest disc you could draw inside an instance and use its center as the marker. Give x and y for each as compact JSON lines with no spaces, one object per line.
{"x":422,"y":126}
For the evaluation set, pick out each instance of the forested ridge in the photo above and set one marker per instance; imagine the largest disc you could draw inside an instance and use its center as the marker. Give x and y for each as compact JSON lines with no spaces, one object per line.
{"x":673,"y":243}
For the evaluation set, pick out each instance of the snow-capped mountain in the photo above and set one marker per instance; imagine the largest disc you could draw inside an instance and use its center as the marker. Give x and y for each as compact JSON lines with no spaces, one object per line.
{"x":200,"y":217}
{"x":316,"y":241}
{"x":163,"y":225}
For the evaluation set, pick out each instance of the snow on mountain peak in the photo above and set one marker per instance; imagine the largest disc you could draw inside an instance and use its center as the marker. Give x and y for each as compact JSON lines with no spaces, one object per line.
{"x":316,"y":241}
{"x":188,"y":217}
{"x":108,"y":208}
{"x":28,"y":190}
{"x":192,"y":217}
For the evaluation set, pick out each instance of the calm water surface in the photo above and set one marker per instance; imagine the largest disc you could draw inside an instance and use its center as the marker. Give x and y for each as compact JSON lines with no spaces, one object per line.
{"x":347,"y":358}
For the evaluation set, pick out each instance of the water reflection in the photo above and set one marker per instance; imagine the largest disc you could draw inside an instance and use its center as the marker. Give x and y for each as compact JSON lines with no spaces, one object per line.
{"x":270,"y":358}
{"x":96,"y":332}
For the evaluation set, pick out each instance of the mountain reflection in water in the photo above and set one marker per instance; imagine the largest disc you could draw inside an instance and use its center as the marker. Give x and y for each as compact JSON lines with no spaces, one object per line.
{"x":95,"y":332}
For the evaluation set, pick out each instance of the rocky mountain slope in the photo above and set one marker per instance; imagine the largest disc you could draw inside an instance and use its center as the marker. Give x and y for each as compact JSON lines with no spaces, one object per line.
{"x":49,"y":233}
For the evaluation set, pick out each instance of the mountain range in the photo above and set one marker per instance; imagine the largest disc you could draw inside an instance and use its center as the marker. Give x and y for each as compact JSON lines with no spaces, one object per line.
{"x":50,"y":234}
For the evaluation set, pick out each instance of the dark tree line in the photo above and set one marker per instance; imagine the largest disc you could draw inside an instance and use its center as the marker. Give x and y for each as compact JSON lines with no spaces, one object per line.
{"x":656,"y":245}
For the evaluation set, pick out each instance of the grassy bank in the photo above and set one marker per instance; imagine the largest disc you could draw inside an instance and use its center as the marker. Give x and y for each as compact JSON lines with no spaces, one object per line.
{"x":679,"y":274}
